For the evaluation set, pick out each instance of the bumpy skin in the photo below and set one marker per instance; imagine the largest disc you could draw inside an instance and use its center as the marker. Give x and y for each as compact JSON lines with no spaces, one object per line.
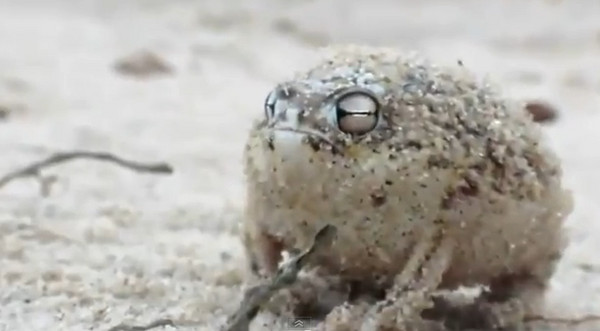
{"x":453,"y":187}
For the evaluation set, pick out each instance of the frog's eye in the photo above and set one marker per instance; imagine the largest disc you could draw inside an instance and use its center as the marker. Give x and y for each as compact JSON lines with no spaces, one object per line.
{"x":357,"y":112}
{"x":269,"y":105}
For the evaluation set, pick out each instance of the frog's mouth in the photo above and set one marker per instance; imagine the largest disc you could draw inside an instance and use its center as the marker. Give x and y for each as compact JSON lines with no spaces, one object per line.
{"x":297,"y":136}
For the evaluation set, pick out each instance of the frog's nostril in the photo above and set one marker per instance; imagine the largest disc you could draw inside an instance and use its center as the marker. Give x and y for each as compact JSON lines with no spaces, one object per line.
{"x":288,"y":117}
{"x":282,"y":115}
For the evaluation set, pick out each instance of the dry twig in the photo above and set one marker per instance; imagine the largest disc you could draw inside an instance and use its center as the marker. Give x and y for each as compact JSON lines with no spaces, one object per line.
{"x":34,"y":169}
{"x":155,"y":324}
{"x":259,"y":295}
{"x":563,"y":320}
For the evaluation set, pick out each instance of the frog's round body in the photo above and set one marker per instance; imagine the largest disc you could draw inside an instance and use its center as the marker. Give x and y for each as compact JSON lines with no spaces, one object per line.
{"x":446,"y":149}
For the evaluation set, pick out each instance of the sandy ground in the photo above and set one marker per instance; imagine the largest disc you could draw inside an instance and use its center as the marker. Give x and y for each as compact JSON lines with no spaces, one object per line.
{"x":108,"y":245}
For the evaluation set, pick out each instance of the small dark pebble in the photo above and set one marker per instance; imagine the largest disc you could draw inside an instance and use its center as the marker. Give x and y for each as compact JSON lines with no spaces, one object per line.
{"x":143,"y":64}
{"x":8,"y":110}
{"x":225,"y":256}
{"x":4,"y":112}
{"x":541,"y":112}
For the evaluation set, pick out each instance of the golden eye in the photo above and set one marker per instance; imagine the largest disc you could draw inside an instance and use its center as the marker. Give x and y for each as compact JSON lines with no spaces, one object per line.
{"x":357,"y":113}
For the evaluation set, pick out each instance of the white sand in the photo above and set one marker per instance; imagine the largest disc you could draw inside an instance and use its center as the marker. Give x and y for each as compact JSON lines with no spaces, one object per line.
{"x":110,"y":245}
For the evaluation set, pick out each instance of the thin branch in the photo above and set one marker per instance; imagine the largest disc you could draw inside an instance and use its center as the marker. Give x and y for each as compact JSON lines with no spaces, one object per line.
{"x":155,"y":324}
{"x":34,"y":169}
{"x":563,"y":320}
{"x":257,"y":296}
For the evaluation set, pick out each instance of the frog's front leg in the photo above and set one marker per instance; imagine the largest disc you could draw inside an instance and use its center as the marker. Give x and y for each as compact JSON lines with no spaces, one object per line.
{"x":410,"y":293}
{"x":413,"y":288}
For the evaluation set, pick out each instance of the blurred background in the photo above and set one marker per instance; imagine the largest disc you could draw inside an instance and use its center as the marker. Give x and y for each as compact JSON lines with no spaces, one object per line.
{"x":180,"y":81}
